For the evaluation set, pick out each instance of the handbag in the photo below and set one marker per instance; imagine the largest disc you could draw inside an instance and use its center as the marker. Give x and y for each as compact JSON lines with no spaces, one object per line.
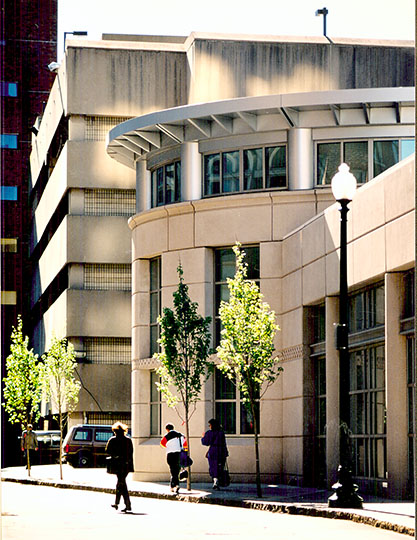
{"x":111,"y":464}
{"x":224,"y":479}
{"x":185,"y":460}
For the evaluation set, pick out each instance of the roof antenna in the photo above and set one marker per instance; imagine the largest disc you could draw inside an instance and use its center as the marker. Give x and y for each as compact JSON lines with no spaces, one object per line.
{"x":324,"y":12}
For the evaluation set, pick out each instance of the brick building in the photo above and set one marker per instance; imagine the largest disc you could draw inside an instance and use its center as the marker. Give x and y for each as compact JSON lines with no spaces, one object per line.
{"x":28,"y":45}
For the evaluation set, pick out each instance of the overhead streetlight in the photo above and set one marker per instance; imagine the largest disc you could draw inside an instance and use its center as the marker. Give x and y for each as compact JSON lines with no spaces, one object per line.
{"x":345,"y":496}
{"x":323,"y":12}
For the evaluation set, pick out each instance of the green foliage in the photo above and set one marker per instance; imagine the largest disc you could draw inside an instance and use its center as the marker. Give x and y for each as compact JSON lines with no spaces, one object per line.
{"x":22,"y":384}
{"x":247,"y":338}
{"x":247,"y":344}
{"x":59,"y":383}
{"x":185,"y":348}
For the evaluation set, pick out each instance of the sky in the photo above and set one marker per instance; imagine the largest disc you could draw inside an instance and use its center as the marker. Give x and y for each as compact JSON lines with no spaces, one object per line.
{"x":382,"y":19}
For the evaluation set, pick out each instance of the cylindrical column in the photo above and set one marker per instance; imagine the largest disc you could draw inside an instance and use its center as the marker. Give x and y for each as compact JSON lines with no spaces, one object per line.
{"x":190,"y":172}
{"x":300,"y":159}
{"x":143,"y":187}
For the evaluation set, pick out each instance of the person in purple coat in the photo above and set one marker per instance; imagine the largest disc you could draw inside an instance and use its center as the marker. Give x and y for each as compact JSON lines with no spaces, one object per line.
{"x":217,"y":453}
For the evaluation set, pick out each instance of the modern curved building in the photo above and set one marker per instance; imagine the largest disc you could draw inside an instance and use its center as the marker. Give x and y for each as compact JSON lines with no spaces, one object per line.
{"x":257,"y":169}
{"x":236,"y":138}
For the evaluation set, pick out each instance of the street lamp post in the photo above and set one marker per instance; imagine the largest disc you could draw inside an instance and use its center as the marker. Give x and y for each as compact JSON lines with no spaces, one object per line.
{"x":345,"y":491}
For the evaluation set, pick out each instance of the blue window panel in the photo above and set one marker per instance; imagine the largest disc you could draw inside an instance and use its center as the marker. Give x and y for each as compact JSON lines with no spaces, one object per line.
{"x":8,"y":141}
{"x":8,"y":89}
{"x":407,"y":148}
{"x":9,"y":193}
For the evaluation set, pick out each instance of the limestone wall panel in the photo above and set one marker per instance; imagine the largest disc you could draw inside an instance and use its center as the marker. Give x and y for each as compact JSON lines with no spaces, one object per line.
{"x":397,"y":191}
{"x":367,"y":257}
{"x":314,"y":282}
{"x":291,"y":253}
{"x":291,"y":291}
{"x":313,"y":240}
{"x":291,"y":324}
{"x":226,"y":226}
{"x":271,"y":259}
{"x":400,"y":242}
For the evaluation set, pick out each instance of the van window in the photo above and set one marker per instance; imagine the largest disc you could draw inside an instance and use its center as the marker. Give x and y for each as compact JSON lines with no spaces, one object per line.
{"x":82,"y":435}
{"x":103,"y":436}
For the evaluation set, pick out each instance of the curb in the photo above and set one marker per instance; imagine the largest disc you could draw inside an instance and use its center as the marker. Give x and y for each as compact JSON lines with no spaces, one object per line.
{"x":282,"y":508}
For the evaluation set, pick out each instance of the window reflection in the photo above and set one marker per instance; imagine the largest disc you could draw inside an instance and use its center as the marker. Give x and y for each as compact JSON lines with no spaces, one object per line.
{"x":252,"y":169}
{"x":356,"y":156}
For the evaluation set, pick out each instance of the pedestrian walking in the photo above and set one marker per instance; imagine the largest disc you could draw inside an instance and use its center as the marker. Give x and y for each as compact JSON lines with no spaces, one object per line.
{"x":217,"y":453}
{"x":29,"y":445}
{"x":120,"y":449}
{"x":173,"y":442}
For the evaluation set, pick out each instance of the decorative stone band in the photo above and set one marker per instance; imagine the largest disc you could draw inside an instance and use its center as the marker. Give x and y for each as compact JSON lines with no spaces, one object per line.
{"x":284,"y":355}
{"x":293,"y":353}
{"x":144,"y":363}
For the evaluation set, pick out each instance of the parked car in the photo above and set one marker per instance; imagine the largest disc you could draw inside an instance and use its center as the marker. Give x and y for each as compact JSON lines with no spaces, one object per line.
{"x":48,"y":442}
{"x":85,"y":444}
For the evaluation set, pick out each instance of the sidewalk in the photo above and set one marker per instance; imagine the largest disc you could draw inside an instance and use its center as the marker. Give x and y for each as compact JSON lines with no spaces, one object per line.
{"x":386,"y":514}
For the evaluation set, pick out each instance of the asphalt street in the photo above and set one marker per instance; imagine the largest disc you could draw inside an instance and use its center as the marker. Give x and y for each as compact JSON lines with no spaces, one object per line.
{"x":46,"y":513}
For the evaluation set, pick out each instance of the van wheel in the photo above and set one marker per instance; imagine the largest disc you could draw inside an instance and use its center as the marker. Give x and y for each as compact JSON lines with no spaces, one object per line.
{"x":83,"y":460}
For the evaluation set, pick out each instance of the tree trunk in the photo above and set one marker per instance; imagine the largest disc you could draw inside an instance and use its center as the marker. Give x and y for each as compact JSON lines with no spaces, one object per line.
{"x":257,"y":463}
{"x":28,"y":459}
{"x":187,"y":436}
{"x":60,"y":446}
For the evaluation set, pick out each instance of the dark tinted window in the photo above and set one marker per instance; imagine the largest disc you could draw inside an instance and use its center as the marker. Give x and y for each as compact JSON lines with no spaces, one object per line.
{"x":103,"y":435}
{"x":83,"y":435}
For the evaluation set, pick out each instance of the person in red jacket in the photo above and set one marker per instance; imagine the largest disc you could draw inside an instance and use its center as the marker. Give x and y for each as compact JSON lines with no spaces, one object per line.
{"x":173,"y":442}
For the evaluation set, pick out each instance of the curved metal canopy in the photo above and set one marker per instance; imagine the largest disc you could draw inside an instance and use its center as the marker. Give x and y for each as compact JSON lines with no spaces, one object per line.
{"x":133,"y":139}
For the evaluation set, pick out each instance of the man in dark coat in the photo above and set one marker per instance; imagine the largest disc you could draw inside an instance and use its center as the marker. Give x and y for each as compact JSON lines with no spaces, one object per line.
{"x":217,"y":452}
{"x":120,"y":448}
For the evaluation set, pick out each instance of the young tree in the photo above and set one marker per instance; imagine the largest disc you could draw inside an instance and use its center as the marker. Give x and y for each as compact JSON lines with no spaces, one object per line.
{"x":22,"y":384}
{"x":247,"y":344}
{"x":185,"y":349}
{"x":59,"y":384}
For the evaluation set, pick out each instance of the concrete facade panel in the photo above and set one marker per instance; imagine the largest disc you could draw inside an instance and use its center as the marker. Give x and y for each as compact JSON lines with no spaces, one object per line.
{"x":164,"y":86}
{"x":98,"y":313}
{"x":109,"y":383}
{"x":91,"y":167}
{"x":53,"y":259}
{"x":52,"y":195}
{"x":98,"y":239}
